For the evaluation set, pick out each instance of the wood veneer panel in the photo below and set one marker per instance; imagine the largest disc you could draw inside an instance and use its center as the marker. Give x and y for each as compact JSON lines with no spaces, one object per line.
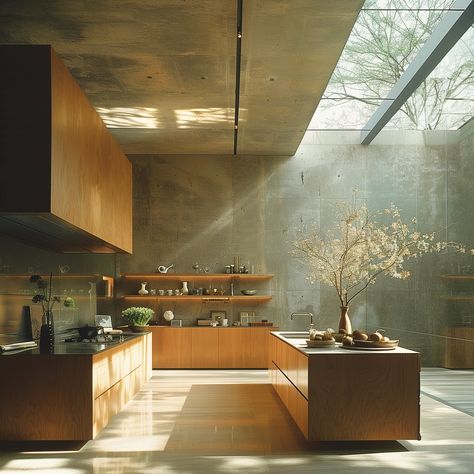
{"x":376,"y":394}
{"x":234,"y":348}
{"x":172,"y":347}
{"x":259,"y":347}
{"x":459,"y":349}
{"x":91,"y":177}
{"x":50,"y":398}
{"x":204,"y":348}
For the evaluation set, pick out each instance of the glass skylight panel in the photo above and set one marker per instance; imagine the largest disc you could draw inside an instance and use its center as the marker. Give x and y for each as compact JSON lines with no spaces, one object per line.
{"x":386,"y":37}
{"x":342,"y":114}
{"x":445,"y":100}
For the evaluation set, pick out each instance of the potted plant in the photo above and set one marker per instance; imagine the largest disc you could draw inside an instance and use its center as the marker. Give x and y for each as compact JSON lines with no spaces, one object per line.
{"x":361,"y":247}
{"x":138,"y":317}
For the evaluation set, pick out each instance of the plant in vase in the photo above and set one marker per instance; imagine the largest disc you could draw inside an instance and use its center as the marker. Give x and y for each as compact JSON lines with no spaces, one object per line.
{"x":45,"y":296}
{"x":138,"y":317}
{"x":361,"y":247}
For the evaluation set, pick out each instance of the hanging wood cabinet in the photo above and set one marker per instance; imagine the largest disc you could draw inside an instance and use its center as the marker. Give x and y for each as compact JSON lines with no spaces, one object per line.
{"x":65,"y":183}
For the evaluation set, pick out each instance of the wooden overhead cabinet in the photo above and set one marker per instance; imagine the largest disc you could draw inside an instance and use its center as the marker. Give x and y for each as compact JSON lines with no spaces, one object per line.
{"x":65,"y":183}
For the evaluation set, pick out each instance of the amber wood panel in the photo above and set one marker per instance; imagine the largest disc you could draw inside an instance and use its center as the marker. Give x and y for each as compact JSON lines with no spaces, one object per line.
{"x":91,"y":177}
{"x":302,"y":373}
{"x":112,"y":401}
{"x":377,"y":393}
{"x":259,"y":346}
{"x":298,"y":408}
{"x":172,"y":347}
{"x":459,"y":348}
{"x":234,"y":347}
{"x":204,"y":348}
{"x":53,"y":397}
{"x":49,"y":398}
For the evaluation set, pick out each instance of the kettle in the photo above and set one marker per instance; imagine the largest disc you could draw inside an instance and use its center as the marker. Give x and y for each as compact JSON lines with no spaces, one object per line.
{"x":163,"y":269}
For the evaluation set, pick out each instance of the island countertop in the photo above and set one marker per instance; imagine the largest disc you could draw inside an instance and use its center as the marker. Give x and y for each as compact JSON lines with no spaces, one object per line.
{"x":298,"y":341}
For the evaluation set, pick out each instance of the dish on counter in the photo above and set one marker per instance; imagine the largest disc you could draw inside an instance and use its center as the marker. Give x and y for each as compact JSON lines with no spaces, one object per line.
{"x":311,"y":343}
{"x":375,"y":344}
{"x":360,"y":348}
{"x":249,"y":292}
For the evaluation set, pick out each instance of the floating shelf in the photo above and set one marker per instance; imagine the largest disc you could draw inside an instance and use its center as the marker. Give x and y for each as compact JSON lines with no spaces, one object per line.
{"x":197,"y":276}
{"x":251,"y":300}
{"x":458,"y":277}
{"x":458,"y":298}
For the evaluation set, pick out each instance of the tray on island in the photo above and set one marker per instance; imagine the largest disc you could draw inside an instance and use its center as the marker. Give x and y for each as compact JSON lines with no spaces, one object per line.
{"x":311,"y":343}
{"x":359,"y":345}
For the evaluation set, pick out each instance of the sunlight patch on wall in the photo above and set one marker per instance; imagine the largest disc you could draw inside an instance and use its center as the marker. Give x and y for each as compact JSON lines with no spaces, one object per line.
{"x":129,"y":117}
{"x":195,"y":118}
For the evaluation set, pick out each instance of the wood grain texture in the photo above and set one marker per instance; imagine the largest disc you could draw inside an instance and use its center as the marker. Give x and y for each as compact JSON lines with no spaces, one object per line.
{"x":65,"y":184}
{"x":459,"y":348}
{"x":204,"y":348}
{"x":91,"y":177}
{"x":232,"y":348}
{"x":171,"y":347}
{"x":372,"y":398}
{"x":351,"y":396}
{"x":48,"y":398}
{"x":68,"y":397}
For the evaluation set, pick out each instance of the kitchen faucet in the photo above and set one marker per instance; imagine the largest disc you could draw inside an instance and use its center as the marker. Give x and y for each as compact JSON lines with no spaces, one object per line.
{"x":292,"y":315}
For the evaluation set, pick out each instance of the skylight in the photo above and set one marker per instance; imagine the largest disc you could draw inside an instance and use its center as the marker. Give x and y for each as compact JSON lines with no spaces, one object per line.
{"x":386,"y":37}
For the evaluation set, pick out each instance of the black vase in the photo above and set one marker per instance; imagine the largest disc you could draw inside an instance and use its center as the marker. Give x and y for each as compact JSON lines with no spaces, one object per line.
{"x":47,"y":334}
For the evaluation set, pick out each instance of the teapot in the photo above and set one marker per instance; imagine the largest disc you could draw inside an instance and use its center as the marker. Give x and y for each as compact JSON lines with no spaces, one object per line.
{"x":163,"y":269}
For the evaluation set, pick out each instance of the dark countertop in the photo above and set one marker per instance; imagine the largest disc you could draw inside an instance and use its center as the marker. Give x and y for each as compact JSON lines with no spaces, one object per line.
{"x":80,"y":348}
{"x":214,"y":327}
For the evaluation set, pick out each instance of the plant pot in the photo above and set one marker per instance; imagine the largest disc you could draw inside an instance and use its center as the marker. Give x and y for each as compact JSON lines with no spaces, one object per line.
{"x":138,"y":328}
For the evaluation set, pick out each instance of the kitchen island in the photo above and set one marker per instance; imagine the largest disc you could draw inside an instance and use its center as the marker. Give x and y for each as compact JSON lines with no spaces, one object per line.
{"x":72,"y":394}
{"x":334,"y":394}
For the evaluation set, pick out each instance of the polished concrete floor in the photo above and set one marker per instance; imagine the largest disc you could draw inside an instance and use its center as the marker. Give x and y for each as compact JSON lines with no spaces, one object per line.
{"x":231,"y":421}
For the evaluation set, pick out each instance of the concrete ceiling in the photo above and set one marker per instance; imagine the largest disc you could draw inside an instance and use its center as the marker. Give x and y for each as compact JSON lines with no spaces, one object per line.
{"x":162,"y":73}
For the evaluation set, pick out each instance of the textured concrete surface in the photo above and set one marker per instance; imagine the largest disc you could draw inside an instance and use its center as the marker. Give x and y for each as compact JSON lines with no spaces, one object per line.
{"x":162,"y":73}
{"x":207,"y":209}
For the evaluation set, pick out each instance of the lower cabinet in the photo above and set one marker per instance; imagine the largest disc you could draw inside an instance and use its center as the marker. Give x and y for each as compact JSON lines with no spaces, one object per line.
{"x":339,"y":395}
{"x":459,"y":348}
{"x":69,"y":397}
{"x":210,"y":348}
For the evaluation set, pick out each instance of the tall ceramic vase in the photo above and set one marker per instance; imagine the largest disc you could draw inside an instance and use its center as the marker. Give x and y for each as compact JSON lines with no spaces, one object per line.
{"x":344,"y":322}
{"x":47,"y":334}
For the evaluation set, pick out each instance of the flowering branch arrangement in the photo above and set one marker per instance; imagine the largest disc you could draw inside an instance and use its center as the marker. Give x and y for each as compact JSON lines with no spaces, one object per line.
{"x":44,"y":294}
{"x":363,"y":246}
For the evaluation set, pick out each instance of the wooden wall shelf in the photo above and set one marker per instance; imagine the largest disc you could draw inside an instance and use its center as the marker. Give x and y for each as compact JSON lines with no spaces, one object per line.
{"x":251,"y":300}
{"x":458,"y":277}
{"x":458,"y":298}
{"x":197,"y":276}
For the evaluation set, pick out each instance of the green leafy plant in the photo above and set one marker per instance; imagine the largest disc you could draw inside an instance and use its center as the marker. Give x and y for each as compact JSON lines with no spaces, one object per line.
{"x":138,"y":315}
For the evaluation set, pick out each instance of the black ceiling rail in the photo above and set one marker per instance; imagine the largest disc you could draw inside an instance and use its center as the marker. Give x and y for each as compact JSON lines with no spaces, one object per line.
{"x":238,"y":56}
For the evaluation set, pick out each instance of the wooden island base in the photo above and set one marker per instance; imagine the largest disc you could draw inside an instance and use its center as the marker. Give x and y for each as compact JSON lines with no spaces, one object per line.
{"x":340,"y":395}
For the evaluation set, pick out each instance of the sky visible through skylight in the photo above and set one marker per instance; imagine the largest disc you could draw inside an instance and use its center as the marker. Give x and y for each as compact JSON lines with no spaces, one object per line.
{"x":386,"y":37}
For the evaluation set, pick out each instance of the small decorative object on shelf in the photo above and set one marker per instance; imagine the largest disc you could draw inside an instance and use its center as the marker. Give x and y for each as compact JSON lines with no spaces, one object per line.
{"x":168,"y":315}
{"x":47,"y":300}
{"x":143,"y":291}
{"x":163,"y":269}
{"x":185,"y":289}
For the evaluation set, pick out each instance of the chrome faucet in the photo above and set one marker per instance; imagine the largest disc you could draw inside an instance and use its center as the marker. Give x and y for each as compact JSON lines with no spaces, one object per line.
{"x":311,"y":315}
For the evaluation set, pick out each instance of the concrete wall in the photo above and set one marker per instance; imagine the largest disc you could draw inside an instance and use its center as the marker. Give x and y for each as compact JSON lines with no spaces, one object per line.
{"x":207,"y":209}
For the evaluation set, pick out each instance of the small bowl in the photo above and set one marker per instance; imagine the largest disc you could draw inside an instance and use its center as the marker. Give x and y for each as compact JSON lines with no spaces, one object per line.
{"x":249,"y":292}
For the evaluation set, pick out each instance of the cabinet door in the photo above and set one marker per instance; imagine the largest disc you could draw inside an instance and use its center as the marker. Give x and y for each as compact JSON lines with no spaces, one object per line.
{"x":204,"y":348}
{"x":171,"y":348}
{"x":234,"y":348}
{"x":257,"y":357}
